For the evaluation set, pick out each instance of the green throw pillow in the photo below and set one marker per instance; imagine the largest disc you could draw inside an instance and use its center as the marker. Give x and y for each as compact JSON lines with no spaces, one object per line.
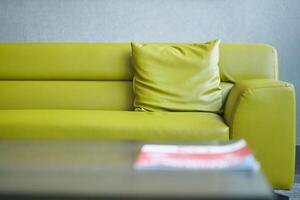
{"x":177,"y":77}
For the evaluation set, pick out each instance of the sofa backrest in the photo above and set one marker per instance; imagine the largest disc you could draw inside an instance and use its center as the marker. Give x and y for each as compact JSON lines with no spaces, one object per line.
{"x":99,"y":75}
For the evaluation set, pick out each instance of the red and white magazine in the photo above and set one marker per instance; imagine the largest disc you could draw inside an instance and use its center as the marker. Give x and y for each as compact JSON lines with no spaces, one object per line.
{"x":232,"y":156}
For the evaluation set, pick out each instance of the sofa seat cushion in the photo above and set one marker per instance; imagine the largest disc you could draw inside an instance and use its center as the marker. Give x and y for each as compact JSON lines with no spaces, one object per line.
{"x":99,"y":124}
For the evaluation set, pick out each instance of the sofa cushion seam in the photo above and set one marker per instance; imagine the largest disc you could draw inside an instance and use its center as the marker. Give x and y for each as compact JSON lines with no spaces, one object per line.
{"x":266,"y":87}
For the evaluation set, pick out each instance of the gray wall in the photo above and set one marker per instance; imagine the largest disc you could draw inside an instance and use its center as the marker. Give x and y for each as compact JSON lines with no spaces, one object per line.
{"x":276,"y":22}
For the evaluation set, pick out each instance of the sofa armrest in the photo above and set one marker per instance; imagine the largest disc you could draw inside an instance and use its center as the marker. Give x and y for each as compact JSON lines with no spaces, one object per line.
{"x":263,"y":112}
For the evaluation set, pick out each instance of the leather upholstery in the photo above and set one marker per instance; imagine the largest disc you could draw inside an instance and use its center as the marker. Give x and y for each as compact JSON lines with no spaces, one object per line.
{"x":65,"y":61}
{"x":263,"y":112}
{"x":111,"y":61}
{"x":177,"y":77}
{"x":95,"y":95}
{"x":226,"y":88}
{"x":248,"y":61}
{"x":89,"y":95}
{"x":96,"y":124}
{"x":78,"y":81}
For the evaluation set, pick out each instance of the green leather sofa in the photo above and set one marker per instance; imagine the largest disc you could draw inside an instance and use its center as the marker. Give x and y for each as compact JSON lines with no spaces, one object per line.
{"x":84,"y":91}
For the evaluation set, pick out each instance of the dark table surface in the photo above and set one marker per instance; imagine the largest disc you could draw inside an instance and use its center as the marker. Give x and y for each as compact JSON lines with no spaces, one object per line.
{"x":61,"y":169}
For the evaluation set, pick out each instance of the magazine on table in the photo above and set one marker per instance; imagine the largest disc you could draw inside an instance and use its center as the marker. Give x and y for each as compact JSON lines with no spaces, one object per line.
{"x":236,"y":156}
